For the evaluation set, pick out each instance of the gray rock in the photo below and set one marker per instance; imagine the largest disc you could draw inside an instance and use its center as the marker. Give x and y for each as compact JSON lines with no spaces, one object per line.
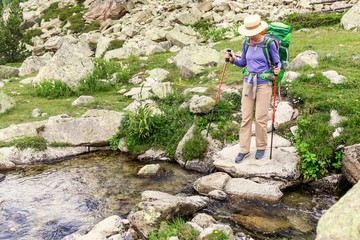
{"x":150,"y":170}
{"x":152,"y":154}
{"x":104,"y":229}
{"x":248,"y":189}
{"x":203,"y":220}
{"x":351,"y":18}
{"x":158,"y":206}
{"x":242,"y":236}
{"x":293,"y":130}
{"x":20,"y":131}
{"x":8,"y":72}
{"x":205,"y":6}
{"x":307,"y":58}
{"x":337,"y":132}
{"x":162,"y":90}
{"x":6,"y":102}
{"x":186,"y":18}
{"x":196,"y":90}
{"x":2,"y":177}
{"x":69,"y":64}
{"x":92,"y":131}
{"x":351,"y":163}
{"x":290,"y":76}
{"x":182,"y":36}
{"x":334,"y":77}
{"x":215,"y":181}
{"x":122,"y":53}
{"x":191,"y":61}
{"x":342,"y":220}
{"x":333,"y":184}
{"x":139,"y":93}
{"x":100,"y":10}
{"x":53,"y":44}
{"x":218,"y":195}
{"x":102,"y":46}
{"x":83,"y":100}
{"x":282,"y":170}
{"x":202,"y":104}
{"x":156,"y":75}
{"x":283,"y":114}
{"x":33,"y":64}
{"x":36,"y":113}
{"x":335,"y":118}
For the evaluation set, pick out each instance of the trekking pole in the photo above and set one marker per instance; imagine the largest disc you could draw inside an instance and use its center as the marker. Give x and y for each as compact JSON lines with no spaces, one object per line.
{"x":217,"y":95}
{"x":273,"y":116}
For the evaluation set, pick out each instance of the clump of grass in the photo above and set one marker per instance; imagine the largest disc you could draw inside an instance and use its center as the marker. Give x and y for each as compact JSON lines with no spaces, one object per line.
{"x":195,"y":148}
{"x":115,"y":44}
{"x":60,"y":144}
{"x":218,"y":235}
{"x":52,"y":89}
{"x":36,"y":143}
{"x":312,"y":20}
{"x":177,"y":227}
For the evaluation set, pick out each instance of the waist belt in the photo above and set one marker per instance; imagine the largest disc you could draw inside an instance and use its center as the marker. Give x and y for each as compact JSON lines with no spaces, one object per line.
{"x":254,"y":77}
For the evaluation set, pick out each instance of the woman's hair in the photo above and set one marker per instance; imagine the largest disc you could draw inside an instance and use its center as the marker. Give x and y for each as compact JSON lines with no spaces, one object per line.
{"x":263,"y":32}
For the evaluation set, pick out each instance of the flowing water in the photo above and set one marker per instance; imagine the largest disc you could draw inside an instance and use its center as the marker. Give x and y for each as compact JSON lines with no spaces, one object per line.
{"x":50,"y":201}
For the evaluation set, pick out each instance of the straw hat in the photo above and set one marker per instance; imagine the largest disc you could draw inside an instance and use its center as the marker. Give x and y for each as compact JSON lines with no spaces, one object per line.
{"x":252,"y":26}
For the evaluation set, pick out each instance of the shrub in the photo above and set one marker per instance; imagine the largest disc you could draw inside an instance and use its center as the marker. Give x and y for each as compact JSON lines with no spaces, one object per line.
{"x":91,"y":27}
{"x":115,"y":44}
{"x":52,"y":90}
{"x":195,"y":147}
{"x":177,"y":227}
{"x":312,"y":20}
{"x":77,"y":23}
{"x":29,"y":34}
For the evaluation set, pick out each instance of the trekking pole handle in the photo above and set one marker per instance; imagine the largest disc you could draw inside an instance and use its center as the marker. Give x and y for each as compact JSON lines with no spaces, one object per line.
{"x":228,"y":59}
{"x":276,"y":66}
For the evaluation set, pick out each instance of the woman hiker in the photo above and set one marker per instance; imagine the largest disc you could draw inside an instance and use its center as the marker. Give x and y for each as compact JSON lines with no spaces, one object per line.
{"x":256,"y":91}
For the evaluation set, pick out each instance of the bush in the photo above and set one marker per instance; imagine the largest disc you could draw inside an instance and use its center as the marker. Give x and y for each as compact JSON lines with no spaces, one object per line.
{"x":312,"y":20}
{"x":195,"y":147}
{"x":29,"y":34}
{"x":91,"y":27}
{"x":52,"y":90}
{"x":115,"y":44}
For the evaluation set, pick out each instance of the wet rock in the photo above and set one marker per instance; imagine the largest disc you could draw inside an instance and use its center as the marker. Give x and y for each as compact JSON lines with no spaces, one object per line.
{"x":281,"y":171}
{"x":150,"y":170}
{"x":36,"y":113}
{"x":283,"y":114}
{"x":8,"y":72}
{"x":215,"y":181}
{"x":152,"y":154}
{"x":335,"y":118}
{"x":262,"y":224}
{"x":158,"y":206}
{"x":248,"y":189}
{"x":242,"y":236}
{"x":351,"y":18}
{"x":307,"y":58}
{"x":33,"y":64}
{"x":100,"y":10}
{"x":334,"y":77}
{"x":69,"y":64}
{"x":299,"y":224}
{"x":104,"y":229}
{"x":6,"y":102}
{"x":201,"y":104}
{"x":162,"y":90}
{"x":342,"y":220}
{"x":191,"y":61}
{"x":92,"y":131}
{"x":218,"y":195}
{"x":2,"y":177}
{"x":203,"y":220}
{"x":83,"y":100}
{"x":351,"y":163}
{"x":216,"y":227}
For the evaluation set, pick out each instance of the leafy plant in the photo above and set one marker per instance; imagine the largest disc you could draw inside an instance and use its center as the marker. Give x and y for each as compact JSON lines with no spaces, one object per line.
{"x":338,"y":160}
{"x":218,"y":235}
{"x":29,"y":34}
{"x":195,"y":147}
{"x":52,"y":89}
{"x":114,"y":142}
{"x":177,"y":227}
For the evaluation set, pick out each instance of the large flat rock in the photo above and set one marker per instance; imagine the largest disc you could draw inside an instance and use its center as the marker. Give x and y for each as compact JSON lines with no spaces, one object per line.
{"x":282,"y":170}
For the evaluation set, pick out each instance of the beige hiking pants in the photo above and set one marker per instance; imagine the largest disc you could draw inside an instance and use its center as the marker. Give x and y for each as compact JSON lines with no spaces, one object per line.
{"x":262,"y":102}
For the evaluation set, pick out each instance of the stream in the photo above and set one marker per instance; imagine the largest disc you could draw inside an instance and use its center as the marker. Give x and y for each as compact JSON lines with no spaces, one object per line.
{"x":50,"y":201}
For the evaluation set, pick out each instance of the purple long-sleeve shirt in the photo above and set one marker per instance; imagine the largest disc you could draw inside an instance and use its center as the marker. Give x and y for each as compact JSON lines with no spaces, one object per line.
{"x":255,"y":59}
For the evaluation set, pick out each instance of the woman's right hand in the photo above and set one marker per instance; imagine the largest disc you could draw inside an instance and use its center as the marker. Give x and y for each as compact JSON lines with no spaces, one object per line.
{"x":229,"y":55}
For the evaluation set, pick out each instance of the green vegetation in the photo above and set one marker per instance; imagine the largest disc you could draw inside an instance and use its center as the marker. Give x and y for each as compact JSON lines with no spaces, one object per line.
{"x":29,"y":34}
{"x":52,"y":90}
{"x":195,"y":147}
{"x":209,"y":31}
{"x":312,"y":20}
{"x":36,"y":143}
{"x":177,"y":227}
{"x":60,"y":144}
{"x":115,"y":44}
{"x":218,"y":235}
{"x":11,"y":36}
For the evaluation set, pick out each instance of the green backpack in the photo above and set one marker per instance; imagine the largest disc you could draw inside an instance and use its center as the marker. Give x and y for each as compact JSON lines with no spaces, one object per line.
{"x":280,"y":34}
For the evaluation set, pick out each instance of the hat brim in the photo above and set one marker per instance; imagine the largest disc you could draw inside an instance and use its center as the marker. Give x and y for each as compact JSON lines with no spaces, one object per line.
{"x":248,"y":33}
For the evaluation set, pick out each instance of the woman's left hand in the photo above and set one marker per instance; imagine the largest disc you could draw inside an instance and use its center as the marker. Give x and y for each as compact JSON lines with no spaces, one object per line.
{"x":276,"y":71}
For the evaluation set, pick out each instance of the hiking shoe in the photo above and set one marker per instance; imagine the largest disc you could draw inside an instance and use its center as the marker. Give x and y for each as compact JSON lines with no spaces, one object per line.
{"x":259,"y":154}
{"x":240,"y":157}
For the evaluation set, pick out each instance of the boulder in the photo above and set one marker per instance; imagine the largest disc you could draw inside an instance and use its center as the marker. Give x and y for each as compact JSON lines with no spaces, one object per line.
{"x":290,"y":76}
{"x":6,"y":102}
{"x":33,"y":64}
{"x":215,"y":181}
{"x":54,"y":43}
{"x":156,"y":75}
{"x":283,"y":114}
{"x":102,"y":45}
{"x":333,"y":184}
{"x":335,"y":118}
{"x":205,"y":6}
{"x":282,"y":170}
{"x":191,"y":60}
{"x":8,"y":72}
{"x":20,"y":131}
{"x":334,"y":77}
{"x":150,"y":170}
{"x":351,"y":163}
{"x":186,"y":18}
{"x":182,"y":36}
{"x":162,"y":90}
{"x":36,"y":113}
{"x":104,"y":229}
{"x":159,"y":206}
{"x":337,"y":132}
{"x":217,"y":194}
{"x":83,"y":100}
{"x":201,"y":104}
{"x":203,"y":220}
{"x":342,"y":220}
{"x":91,"y":131}
{"x":351,"y":18}
{"x":70,"y":64}
{"x":139,"y":93}
{"x":122,"y":53}
{"x":307,"y":58}
{"x":151,"y":155}
{"x":269,"y":225}
{"x":101,"y":10}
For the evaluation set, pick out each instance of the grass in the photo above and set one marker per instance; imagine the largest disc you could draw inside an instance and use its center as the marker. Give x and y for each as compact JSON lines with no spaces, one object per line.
{"x":177,"y":227}
{"x":36,"y":143}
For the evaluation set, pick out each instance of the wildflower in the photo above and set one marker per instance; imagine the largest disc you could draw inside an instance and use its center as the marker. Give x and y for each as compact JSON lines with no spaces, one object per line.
{"x":216,"y":232}
{"x":356,"y":100}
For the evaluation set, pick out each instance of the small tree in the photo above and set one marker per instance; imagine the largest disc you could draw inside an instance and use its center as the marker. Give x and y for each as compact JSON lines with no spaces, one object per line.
{"x":12,"y":47}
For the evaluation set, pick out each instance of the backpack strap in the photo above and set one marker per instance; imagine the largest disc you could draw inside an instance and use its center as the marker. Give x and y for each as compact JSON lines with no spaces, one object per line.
{"x":266,"y":52}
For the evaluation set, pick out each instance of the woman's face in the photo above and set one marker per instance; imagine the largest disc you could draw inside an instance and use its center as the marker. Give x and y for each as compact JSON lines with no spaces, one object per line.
{"x":255,"y":37}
